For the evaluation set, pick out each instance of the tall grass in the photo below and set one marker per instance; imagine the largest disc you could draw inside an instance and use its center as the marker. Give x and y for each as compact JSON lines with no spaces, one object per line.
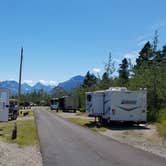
{"x":161,"y":125}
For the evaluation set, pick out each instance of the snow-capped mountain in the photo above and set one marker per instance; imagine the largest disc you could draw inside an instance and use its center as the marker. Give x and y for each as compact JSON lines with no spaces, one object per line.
{"x":40,"y":86}
{"x":72,"y":83}
{"x":25,"y":88}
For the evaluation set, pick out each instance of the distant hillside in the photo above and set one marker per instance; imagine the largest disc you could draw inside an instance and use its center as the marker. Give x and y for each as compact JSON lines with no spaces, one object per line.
{"x":72,"y":83}
{"x":69,"y":85}
{"x":25,"y":88}
{"x":11,"y":85}
{"x":45,"y":88}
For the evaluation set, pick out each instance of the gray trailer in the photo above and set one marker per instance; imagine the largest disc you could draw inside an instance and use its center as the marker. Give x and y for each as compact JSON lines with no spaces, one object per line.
{"x":68,"y":103}
{"x":118,"y":104}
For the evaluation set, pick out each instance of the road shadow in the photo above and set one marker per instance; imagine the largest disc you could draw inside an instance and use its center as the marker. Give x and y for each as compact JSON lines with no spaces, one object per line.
{"x":117,"y":126}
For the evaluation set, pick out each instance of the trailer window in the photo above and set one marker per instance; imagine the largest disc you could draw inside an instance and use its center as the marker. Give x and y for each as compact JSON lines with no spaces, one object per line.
{"x":89,"y":98}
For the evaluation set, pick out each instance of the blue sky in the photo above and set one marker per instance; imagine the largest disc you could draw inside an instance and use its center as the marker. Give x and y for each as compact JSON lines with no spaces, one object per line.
{"x":64,"y":38}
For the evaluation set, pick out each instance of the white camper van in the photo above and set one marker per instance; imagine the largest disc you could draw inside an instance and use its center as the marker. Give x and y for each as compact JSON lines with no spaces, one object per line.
{"x":4,"y":104}
{"x":117,"y":104}
{"x":54,"y":104}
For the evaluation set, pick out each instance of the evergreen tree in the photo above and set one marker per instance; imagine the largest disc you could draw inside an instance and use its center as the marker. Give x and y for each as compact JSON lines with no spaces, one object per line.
{"x":144,"y":55}
{"x":105,"y":82}
{"x":59,"y":92}
{"x":89,"y":80}
{"x":124,"y":72}
{"x":155,"y":41}
{"x":110,"y":66}
{"x":164,"y":49}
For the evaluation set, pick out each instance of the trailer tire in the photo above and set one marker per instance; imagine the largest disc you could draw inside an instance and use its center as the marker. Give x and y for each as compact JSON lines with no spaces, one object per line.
{"x":14,"y":117}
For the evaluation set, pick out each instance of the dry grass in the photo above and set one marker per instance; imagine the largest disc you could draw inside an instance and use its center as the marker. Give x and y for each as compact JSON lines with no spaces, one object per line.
{"x":26,"y":132}
{"x":161,"y":125}
{"x":87,"y":123}
{"x":22,"y":111}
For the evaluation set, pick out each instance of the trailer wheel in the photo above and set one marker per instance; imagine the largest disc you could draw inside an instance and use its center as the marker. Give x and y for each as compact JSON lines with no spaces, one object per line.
{"x":14,"y":116}
{"x":74,"y":111}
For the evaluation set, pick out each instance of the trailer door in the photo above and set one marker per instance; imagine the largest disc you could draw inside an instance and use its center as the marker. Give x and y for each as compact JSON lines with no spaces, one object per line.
{"x":98,"y":104}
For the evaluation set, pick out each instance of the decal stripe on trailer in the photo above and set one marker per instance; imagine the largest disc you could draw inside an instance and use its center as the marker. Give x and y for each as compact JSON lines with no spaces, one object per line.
{"x":127,"y":109}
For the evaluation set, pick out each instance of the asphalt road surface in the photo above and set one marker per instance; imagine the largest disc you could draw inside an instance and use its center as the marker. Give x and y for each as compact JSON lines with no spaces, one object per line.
{"x":66,"y":144}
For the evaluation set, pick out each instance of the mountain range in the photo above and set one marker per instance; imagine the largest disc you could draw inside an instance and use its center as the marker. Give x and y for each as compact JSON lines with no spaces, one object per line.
{"x":25,"y":88}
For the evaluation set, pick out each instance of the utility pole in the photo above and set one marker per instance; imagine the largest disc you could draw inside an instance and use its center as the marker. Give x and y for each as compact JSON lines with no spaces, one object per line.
{"x":20,"y":75}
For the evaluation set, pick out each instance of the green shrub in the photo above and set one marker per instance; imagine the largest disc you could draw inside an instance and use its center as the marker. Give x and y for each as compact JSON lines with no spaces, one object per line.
{"x":162,"y":116}
{"x":161,"y":125}
{"x":152,"y":116}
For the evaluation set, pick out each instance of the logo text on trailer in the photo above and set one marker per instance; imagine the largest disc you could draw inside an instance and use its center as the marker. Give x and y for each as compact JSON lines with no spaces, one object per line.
{"x":128,"y":102}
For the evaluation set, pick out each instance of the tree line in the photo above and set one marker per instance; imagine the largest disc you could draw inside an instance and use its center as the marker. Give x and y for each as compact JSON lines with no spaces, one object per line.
{"x":149,"y":71}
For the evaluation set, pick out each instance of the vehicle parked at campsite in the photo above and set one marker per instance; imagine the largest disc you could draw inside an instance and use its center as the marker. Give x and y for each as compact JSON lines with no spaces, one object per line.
{"x":64,"y":103}
{"x":13,"y":109}
{"x":54,"y":104}
{"x":118,"y":104}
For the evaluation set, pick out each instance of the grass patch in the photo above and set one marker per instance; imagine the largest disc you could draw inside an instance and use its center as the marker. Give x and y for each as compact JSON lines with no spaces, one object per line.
{"x":161,"y":125}
{"x":22,"y":111}
{"x":161,"y":128}
{"x":133,"y":133}
{"x":81,"y":114}
{"x":87,"y":123}
{"x":26,"y":132}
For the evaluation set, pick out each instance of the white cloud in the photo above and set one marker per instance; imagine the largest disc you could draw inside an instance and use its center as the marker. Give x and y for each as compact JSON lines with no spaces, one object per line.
{"x":12,"y":79}
{"x":159,"y":25}
{"x":142,"y":42}
{"x":148,"y":36}
{"x":51,"y":82}
{"x":116,"y":60}
{"x":132,"y":56}
{"x":96,"y":70}
{"x":29,"y":82}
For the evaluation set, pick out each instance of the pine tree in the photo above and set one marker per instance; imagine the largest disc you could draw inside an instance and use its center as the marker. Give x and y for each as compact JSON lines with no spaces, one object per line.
{"x":89,"y":80}
{"x":144,"y":55}
{"x":124,"y":72}
{"x":155,"y":41}
{"x":109,"y":66}
{"x":105,"y":82}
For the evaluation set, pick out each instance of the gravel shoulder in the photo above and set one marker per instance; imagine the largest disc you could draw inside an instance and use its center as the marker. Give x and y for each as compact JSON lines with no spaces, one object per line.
{"x":142,"y":137}
{"x":13,"y":155}
{"x":145,"y":139}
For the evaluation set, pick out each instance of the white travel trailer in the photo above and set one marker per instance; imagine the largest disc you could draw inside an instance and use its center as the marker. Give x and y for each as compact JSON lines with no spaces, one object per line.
{"x":117,"y":104}
{"x":4,"y":104}
{"x":54,"y":104}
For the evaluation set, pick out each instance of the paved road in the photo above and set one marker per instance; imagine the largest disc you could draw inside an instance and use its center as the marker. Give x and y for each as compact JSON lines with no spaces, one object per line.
{"x":66,"y":144}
